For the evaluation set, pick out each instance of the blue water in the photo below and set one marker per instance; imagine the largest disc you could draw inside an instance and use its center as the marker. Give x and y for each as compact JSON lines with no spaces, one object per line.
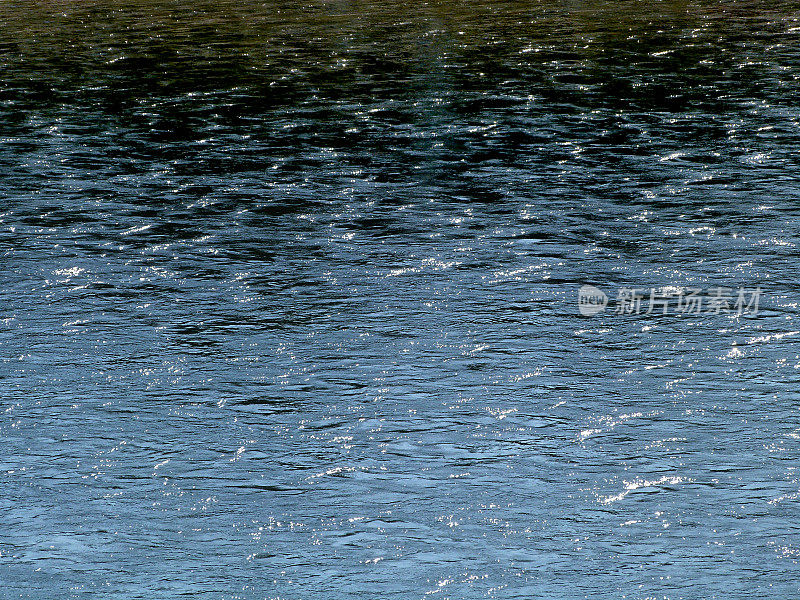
{"x":289,"y":301}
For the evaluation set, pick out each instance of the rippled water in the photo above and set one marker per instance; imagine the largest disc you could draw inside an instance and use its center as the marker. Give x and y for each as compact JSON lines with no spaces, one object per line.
{"x":289,"y":299}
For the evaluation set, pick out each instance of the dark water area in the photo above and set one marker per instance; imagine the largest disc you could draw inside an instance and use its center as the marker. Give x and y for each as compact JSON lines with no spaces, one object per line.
{"x":289,"y":300}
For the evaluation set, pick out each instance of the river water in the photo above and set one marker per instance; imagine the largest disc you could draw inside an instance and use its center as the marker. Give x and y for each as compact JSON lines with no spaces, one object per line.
{"x":290,"y":299}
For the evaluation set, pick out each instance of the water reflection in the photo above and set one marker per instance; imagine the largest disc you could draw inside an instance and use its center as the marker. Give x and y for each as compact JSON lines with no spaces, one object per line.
{"x":289,"y":298}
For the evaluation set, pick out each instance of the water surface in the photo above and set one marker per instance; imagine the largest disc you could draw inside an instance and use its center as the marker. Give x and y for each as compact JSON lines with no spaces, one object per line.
{"x":289,"y":299}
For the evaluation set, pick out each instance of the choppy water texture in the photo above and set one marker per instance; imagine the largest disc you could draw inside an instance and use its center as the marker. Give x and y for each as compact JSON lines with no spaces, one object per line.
{"x":289,"y":300}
